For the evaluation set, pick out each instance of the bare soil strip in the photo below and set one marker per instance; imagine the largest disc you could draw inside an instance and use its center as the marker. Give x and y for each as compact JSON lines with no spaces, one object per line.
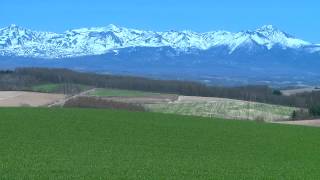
{"x":315,"y":122}
{"x":22,"y":98}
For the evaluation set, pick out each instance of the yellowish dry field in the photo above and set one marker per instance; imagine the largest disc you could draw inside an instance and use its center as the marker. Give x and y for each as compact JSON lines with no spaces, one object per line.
{"x":315,"y":122}
{"x":22,"y":98}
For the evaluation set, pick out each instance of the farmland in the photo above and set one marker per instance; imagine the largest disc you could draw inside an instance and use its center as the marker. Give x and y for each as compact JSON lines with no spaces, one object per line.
{"x":313,"y":122}
{"x":21,"y":98}
{"x":223,"y":108}
{"x":199,"y":106}
{"x":155,"y":102}
{"x":135,"y":97}
{"x":59,"y":88}
{"x":55,"y":143}
{"x":118,"y":93}
{"x":46,"y":88}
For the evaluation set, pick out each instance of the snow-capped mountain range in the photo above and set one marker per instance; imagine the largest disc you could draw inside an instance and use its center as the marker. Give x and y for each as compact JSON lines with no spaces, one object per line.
{"x":18,"y":41}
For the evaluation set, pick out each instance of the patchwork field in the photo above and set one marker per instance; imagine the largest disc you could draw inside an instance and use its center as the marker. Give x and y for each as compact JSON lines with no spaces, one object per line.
{"x":199,"y":106}
{"x":157,"y":102}
{"x":223,"y":108}
{"x":21,"y":98}
{"x":57,"y":143}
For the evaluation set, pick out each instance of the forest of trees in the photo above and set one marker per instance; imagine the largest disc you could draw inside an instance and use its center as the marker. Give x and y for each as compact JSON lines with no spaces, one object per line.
{"x":24,"y":78}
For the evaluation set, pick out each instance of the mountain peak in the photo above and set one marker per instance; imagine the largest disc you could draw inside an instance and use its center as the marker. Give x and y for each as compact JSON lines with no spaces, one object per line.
{"x":10,"y":27}
{"x":268,"y":28}
{"x":113,"y":27}
{"x":99,"y":40}
{"x":13,"y":26}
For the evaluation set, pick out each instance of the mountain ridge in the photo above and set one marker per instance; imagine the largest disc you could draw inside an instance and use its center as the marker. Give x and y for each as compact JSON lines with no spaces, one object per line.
{"x":19,"y":41}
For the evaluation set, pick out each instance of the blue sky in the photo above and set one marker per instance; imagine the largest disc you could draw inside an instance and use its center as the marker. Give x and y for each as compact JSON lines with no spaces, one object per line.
{"x":299,"y":18}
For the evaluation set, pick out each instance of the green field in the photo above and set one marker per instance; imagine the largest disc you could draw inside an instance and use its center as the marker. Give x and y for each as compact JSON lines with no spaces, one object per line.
{"x":58,"y":143}
{"x":47,"y":88}
{"x":59,"y":88}
{"x":120,"y":93}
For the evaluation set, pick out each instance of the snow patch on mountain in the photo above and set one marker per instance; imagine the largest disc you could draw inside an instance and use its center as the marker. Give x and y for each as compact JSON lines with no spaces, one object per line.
{"x":18,"y":41}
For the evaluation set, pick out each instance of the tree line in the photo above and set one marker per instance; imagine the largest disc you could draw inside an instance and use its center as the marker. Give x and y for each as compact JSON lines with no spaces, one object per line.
{"x":24,"y":78}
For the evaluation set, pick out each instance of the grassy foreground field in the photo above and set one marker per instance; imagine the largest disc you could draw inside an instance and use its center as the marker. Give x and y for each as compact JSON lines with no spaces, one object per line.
{"x":44,"y":143}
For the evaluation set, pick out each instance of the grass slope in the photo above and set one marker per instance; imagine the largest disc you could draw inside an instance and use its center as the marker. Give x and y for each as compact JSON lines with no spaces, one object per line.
{"x":120,"y":93}
{"x":47,"y":88}
{"x":99,"y":144}
{"x":59,"y":88}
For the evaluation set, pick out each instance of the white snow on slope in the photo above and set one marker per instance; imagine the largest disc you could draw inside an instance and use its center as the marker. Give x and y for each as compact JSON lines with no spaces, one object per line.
{"x":18,"y":41}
